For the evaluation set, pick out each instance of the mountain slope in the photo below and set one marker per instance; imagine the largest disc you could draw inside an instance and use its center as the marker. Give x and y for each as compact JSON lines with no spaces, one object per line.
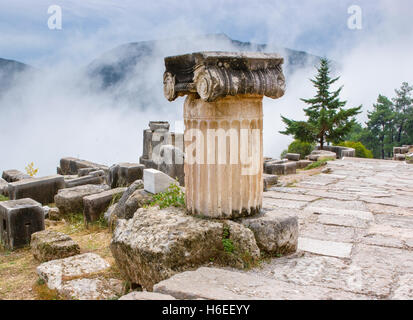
{"x":9,"y":71}
{"x":119,"y":64}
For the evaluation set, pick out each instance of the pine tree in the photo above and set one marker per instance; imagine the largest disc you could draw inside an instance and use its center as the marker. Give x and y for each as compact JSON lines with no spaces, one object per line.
{"x":403,"y":103}
{"x":327,"y":120}
{"x":380,"y":125}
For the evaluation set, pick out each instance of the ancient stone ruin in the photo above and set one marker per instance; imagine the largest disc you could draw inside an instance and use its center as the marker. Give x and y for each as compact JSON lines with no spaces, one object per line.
{"x":224,"y":100}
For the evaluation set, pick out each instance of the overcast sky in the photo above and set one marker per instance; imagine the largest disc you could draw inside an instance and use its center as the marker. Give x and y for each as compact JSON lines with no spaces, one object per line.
{"x":52,"y":116}
{"x":92,"y":26}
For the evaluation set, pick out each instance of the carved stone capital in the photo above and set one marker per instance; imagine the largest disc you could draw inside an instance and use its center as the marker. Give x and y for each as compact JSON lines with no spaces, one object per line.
{"x":214,"y":75}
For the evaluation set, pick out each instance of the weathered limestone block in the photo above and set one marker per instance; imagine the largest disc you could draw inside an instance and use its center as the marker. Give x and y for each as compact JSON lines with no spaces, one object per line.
{"x":137,"y":200}
{"x":14,"y":175}
{"x":156,"y":244}
{"x":145,"y":295}
{"x":119,"y":209}
{"x":156,"y":181}
{"x":70,"y":200}
{"x":318,"y":155}
{"x":52,"y":213}
{"x":42,"y":189}
{"x":19,"y":219}
{"x":92,"y":289}
{"x":340,"y":152}
{"x":172,"y":162}
{"x":85,"y":180}
{"x":293,"y":156}
{"x":77,"y":277}
{"x":269,"y":180}
{"x":124,"y":174}
{"x":158,"y":125}
{"x":275,"y":233}
{"x":301,"y":164}
{"x":399,"y":157}
{"x":50,"y":245}
{"x":86,"y":171}
{"x":224,"y":99}
{"x":71,"y":165}
{"x":96,"y":204}
{"x":270,"y":167}
{"x":4,"y":187}
{"x":283,"y":168}
{"x":220,"y":284}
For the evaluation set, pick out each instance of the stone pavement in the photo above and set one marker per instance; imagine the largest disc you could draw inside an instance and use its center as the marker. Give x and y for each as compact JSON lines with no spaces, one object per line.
{"x":356,"y":240}
{"x":356,"y":229}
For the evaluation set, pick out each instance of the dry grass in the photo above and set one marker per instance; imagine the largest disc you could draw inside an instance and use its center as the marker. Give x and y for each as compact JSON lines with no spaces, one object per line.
{"x":18,"y":277}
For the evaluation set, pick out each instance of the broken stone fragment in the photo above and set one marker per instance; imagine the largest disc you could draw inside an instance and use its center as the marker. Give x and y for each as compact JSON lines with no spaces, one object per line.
{"x":70,"y":200}
{"x":275,"y":232}
{"x":84,"y":180}
{"x":119,"y":209}
{"x":50,"y":245}
{"x":14,"y":175}
{"x":56,"y":272}
{"x":156,"y":244}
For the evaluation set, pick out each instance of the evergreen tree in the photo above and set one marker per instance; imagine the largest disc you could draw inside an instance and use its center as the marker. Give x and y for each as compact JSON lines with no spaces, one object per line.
{"x":327,"y":120}
{"x":380,"y":126}
{"x":403,"y":107}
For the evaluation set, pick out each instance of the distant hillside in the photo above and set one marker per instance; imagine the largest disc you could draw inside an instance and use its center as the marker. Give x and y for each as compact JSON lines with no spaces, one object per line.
{"x":131,"y":59}
{"x":9,"y":70}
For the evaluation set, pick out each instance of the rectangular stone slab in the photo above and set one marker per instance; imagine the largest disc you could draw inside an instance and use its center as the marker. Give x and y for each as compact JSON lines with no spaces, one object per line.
{"x":42,"y":189}
{"x":19,"y":219}
{"x":96,"y":204}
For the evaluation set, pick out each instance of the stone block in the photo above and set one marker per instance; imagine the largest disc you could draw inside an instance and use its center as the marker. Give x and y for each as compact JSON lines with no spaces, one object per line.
{"x":399,"y":157}
{"x":77,"y":277}
{"x":86,"y":171}
{"x":50,"y":245}
{"x":172,"y":162}
{"x":124,"y":174}
{"x":269,"y":180}
{"x":70,"y":200}
{"x":275,"y":232}
{"x":4,"y":187}
{"x":42,"y":189}
{"x":293,"y":156}
{"x":318,"y":155}
{"x":156,"y":181}
{"x":85,"y":180}
{"x":19,"y":219}
{"x":96,"y":204}
{"x":156,"y":244}
{"x":159,"y":125}
{"x":301,"y":164}
{"x":14,"y":175}
{"x":71,"y":165}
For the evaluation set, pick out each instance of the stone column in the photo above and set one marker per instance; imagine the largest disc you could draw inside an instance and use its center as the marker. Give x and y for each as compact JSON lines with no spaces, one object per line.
{"x":223,"y":127}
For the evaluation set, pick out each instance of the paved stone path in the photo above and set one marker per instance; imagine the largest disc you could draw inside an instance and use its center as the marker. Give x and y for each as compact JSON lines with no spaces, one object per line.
{"x":356,"y":240}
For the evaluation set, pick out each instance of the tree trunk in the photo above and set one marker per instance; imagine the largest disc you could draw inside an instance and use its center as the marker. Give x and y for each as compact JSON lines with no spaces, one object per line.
{"x":322,"y":143}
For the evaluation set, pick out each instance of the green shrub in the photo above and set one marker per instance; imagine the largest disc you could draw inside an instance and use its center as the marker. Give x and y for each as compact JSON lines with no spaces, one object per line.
{"x":172,"y":197}
{"x":361,"y":150}
{"x":303,"y":148}
{"x":3,"y":198}
{"x":227,"y":242}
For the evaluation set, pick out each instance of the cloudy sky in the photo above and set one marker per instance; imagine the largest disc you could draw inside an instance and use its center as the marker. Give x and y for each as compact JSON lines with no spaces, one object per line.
{"x":52,"y":121}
